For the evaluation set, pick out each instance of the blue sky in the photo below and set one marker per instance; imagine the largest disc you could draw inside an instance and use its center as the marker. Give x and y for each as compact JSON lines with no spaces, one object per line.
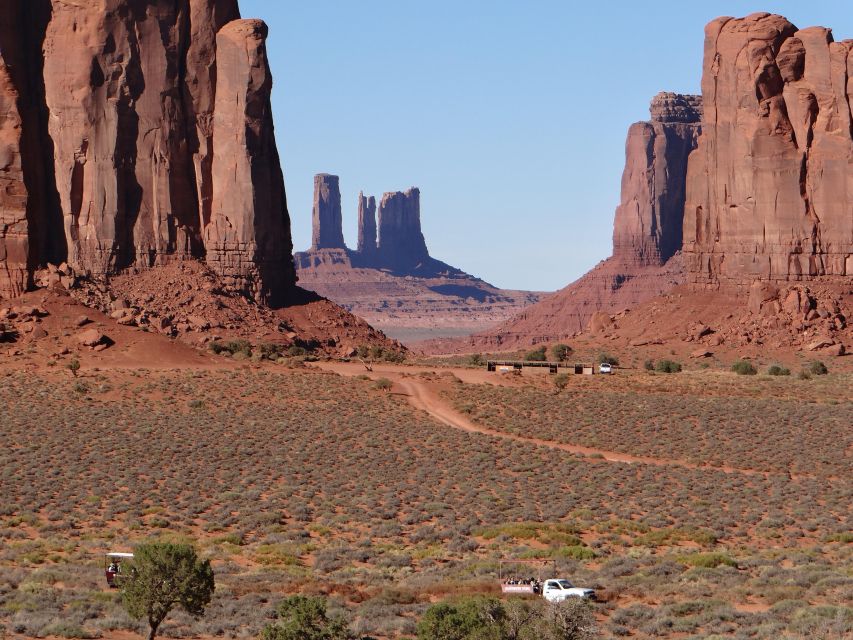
{"x":510,"y":116}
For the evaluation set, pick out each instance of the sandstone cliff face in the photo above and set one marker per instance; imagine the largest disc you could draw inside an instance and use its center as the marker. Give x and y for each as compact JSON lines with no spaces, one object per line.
{"x":401,"y":243}
{"x":109,"y":138}
{"x":13,"y":193}
{"x":326,"y":217}
{"x":770,"y":191}
{"x":647,"y":229}
{"x":248,"y":239}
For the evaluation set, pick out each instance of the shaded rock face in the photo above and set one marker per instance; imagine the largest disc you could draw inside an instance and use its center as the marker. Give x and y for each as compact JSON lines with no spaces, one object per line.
{"x":401,"y":243}
{"x":112,"y":141}
{"x":326,"y":218}
{"x":248,"y":239}
{"x":648,"y":225}
{"x":769,"y":190}
{"x":366,"y":225}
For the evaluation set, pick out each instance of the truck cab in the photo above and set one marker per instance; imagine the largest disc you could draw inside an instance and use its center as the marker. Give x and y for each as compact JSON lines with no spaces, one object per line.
{"x":557,"y":590}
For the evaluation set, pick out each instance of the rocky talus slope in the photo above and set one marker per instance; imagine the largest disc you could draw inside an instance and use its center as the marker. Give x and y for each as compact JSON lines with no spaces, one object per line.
{"x":391,"y":280}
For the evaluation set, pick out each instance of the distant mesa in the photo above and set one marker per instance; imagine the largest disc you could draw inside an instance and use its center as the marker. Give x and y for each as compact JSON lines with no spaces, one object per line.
{"x":390,"y":279}
{"x":395,"y":242}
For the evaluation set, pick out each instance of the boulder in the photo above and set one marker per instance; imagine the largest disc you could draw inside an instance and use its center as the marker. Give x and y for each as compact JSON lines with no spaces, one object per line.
{"x":760,"y":293}
{"x":91,"y":338}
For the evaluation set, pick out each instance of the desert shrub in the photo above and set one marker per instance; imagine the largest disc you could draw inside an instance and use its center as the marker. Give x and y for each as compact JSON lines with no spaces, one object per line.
{"x":710,"y":560}
{"x":73,"y":366}
{"x":817,"y":368}
{"x":608,"y":359}
{"x":476,"y":360}
{"x":649,"y":365}
{"x":296,"y":351}
{"x":667,"y":366}
{"x":81,"y":388}
{"x":804,"y":375}
{"x":537,"y":355}
{"x":776,"y":370}
{"x":232,"y":347}
{"x":384,"y":384}
{"x":305,"y":618}
{"x":195,"y":404}
{"x":561,"y":352}
{"x":744,"y":368}
{"x":561,"y":381}
{"x":270,"y":350}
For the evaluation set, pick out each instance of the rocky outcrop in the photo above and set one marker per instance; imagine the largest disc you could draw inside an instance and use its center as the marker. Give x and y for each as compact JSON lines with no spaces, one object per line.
{"x":119,"y":152}
{"x":326,"y":219}
{"x":647,"y":229}
{"x":769,"y":190}
{"x":366,"y":225}
{"x":248,"y":238}
{"x":401,"y":243}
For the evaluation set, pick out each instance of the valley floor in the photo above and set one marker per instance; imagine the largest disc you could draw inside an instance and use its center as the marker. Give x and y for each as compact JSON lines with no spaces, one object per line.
{"x":697,"y":504}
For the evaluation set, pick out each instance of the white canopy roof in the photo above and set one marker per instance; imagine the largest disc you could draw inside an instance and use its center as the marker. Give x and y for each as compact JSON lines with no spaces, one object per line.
{"x":118,"y":554}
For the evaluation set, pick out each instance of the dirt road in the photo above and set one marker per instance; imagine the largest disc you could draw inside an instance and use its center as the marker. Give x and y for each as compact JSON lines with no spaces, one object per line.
{"x":425,"y":395}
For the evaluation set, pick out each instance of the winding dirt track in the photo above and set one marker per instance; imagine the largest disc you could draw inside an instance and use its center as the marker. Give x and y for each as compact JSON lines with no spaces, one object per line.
{"x":422,"y":395}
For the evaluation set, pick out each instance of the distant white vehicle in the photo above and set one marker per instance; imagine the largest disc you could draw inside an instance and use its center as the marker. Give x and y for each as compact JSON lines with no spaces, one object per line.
{"x":605,"y":367}
{"x":560,"y":590}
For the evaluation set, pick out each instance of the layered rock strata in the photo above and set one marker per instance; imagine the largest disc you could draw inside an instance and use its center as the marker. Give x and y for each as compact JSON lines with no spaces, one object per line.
{"x":769,"y":190}
{"x":120,"y":151}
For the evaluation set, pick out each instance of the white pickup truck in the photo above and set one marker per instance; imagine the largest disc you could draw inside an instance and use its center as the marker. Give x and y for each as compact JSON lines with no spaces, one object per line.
{"x":559,"y":590}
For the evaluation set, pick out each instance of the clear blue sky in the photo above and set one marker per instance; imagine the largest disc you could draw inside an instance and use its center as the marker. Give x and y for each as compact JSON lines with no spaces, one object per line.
{"x":510,"y":116}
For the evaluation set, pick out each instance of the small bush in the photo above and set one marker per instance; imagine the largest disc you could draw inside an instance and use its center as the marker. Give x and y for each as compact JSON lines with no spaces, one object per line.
{"x":608,"y":359}
{"x":708,"y":560}
{"x":649,"y":365}
{"x":744,"y":368}
{"x":384,"y":384}
{"x":817,"y":368}
{"x":73,"y":367}
{"x":776,"y":370}
{"x":804,"y":375}
{"x":561,"y":381}
{"x":476,"y":360}
{"x":668,"y":366}
{"x":537,"y":355}
{"x":561,"y":352}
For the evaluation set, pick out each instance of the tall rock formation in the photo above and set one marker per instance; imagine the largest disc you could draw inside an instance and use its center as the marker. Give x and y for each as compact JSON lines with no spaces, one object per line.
{"x":401,"y":243}
{"x":366,"y":225}
{"x":647,"y":229}
{"x":108,"y":113}
{"x":326,"y":217}
{"x":769,"y":190}
{"x":248,"y":239}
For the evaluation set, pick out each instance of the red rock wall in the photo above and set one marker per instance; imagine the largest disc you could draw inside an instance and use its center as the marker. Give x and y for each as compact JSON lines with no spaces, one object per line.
{"x":769,"y":190}
{"x":647,"y":229}
{"x":113,"y":157}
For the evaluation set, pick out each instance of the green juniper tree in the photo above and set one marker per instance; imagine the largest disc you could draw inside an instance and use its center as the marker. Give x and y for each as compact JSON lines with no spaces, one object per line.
{"x":163,"y":576}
